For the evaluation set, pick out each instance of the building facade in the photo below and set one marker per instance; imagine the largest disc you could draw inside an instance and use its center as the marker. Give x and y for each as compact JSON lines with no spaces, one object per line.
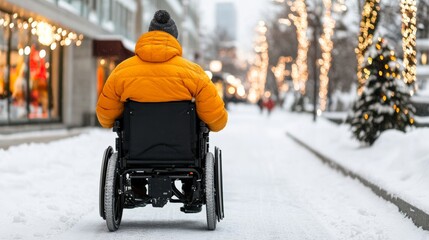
{"x":226,"y":20}
{"x":55,"y":55}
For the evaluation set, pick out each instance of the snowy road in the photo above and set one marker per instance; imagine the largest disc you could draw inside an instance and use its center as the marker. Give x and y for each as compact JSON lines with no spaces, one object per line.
{"x":274,"y":189}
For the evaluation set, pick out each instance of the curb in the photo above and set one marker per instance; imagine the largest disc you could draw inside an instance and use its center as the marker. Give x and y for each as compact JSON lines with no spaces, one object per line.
{"x":419,"y":217}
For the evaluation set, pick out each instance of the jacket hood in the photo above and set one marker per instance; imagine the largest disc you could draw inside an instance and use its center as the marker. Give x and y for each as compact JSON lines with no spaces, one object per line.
{"x":157,"y":46}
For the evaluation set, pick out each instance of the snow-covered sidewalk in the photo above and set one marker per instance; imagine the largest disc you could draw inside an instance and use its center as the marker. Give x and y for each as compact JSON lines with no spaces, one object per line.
{"x":397,"y":162}
{"x":274,"y":189}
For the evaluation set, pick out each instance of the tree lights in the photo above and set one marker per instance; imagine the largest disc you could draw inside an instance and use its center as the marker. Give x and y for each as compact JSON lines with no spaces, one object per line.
{"x":384,"y":101}
{"x":326,"y":46}
{"x":299,"y":19}
{"x":368,"y":24}
{"x":280,"y":72}
{"x":409,"y":29}
{"x":47,"y":34}
{"x":257,"y":74}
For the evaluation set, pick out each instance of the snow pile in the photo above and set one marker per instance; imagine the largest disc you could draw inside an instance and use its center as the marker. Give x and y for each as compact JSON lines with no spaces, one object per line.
{"x":50,"y":185}
{"x":397,"y":162}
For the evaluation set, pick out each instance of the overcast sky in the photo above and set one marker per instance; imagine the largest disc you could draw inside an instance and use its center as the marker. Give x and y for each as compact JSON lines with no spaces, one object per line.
{"x":249,"y":12}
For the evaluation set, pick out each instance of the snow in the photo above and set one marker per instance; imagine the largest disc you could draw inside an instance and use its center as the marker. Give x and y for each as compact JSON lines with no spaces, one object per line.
{"x":397,"y":162}
{"x":274,"y":189}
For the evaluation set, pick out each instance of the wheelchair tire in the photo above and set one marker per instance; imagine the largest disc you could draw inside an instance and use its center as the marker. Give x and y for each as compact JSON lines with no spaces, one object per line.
{"x":107,"y":154}
{"x":113,"y":203}
{"x":210,"y":192}
{"x":219,"y":184}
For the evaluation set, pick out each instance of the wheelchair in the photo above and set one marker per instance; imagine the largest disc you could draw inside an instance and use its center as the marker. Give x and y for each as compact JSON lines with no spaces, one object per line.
{"x":159,"y":145}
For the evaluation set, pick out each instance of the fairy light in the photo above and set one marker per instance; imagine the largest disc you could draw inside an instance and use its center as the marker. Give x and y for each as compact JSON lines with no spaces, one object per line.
{"x":326,"y":45}
{"x":47,"y":34}
{"x":299,"y":19}
{"x":408,"y":30}
{"x":280,"y":71}
{"x":263,"y":54}
{"x":370,"y":18}
{"x":257,"y":74}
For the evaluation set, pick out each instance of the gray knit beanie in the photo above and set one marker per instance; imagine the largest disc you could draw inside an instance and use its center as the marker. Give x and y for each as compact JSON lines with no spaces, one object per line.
{"x":163,"y":22}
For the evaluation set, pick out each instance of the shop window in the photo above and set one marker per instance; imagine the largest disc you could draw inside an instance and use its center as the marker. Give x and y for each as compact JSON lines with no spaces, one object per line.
{"x":19,"y":74}
{"x":29,"y":75}
{"x":104,"y":68}
{"x":43,"y":81}
{"x":4,"y":37}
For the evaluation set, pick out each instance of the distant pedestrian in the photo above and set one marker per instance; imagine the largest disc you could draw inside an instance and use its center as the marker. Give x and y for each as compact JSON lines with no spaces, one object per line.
{"x":269,"y":105}
{"x":260,"y":104}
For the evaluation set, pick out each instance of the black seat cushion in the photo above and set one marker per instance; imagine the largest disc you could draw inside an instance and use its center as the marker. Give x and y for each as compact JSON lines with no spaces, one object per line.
{"x":160,"y":131}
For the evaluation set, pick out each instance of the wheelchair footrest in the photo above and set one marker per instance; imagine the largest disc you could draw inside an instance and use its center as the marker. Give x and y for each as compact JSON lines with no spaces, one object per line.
{"x":191,"y":208}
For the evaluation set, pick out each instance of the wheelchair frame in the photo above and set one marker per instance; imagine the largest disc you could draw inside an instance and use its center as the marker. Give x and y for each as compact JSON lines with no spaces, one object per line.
{"x":118,"y":170}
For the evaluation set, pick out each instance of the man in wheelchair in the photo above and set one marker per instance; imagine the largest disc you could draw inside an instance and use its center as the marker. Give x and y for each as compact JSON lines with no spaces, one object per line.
{"x":162,"y":107}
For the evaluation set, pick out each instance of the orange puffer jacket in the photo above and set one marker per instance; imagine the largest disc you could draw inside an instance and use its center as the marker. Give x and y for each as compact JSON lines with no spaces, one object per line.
{"x":158,"y":73}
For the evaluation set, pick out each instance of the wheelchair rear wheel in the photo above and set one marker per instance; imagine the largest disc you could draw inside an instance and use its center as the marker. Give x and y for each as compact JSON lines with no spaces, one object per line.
{"x":210,"y":192}
{"x":113,"y":201}
{"x":106,"y":156}
{"x":219,"y":184}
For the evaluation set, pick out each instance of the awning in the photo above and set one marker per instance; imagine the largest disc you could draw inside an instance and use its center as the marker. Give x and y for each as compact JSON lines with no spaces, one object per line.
{"x":112,"y":48}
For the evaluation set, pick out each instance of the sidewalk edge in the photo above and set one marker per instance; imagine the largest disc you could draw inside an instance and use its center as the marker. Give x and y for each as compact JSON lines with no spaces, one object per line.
{"x":419,"y":217}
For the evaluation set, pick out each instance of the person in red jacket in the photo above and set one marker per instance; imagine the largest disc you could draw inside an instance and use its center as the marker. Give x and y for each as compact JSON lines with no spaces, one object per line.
{"x":269,"y":105}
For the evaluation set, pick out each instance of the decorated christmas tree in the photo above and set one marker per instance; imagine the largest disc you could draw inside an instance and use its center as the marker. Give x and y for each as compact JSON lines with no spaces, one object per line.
{"x":384,"y":102}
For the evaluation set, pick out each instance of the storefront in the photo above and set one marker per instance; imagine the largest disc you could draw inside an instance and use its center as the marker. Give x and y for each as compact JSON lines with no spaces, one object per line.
{"x":30,"y":69}
{"x":109,"y":53}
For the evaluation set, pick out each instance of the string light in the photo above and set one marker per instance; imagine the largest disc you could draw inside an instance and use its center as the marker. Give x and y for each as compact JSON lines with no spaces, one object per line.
{"x":326,"y":45}
{"x":408,"y":30}
{"x":280,"y":71}
{"x":299,"y":19}
{"x":257,"y":74}
{"x":47,"y":34}
{"x":370,"y":18}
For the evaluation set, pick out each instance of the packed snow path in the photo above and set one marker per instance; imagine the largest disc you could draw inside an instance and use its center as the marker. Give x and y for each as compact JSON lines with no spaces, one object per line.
{"x":274,"y":189}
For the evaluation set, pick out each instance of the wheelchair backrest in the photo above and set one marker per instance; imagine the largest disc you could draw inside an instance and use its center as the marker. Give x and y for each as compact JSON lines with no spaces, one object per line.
{"x":160,"y":132}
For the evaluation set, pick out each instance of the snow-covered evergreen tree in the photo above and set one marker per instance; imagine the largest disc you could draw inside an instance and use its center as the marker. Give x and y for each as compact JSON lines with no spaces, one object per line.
{"x":384,"y":103}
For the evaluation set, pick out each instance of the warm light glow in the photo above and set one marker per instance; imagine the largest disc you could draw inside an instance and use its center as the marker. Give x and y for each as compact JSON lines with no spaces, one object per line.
{"x":299,"y":19}
{"x":67,"y":41}
{"x":424,"y":59}
{"x":215,"y":66}
{"x":369,"y":20}
{"x":231,"y":90}
{"x":366,"y":116}
{"x":280,"y":71}
{"x":209,"y":74}
{"x":27,"y":50}
{"x":285,"y":21}
{"x":409,"y":29}
{"x":257,"y":74}
{"x":44,"y":33}
{"x":241,"y":91}
{"x":42,"y":53}
{"x":326,"y":45}
{"x":53,"y":46}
